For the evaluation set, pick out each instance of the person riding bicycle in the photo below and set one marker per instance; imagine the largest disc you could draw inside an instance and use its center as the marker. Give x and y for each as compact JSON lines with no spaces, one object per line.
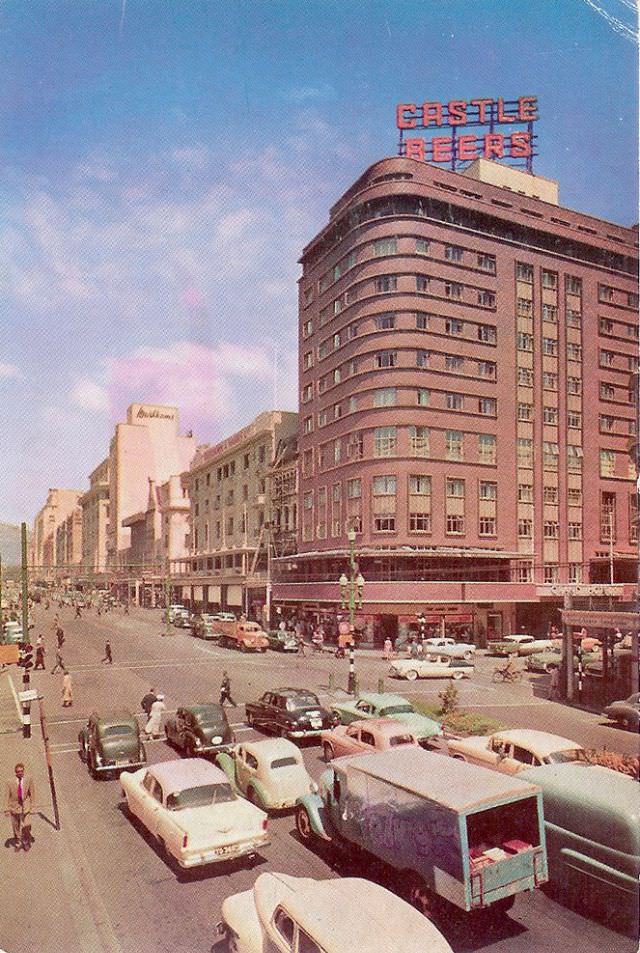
{"x":510,"y":667}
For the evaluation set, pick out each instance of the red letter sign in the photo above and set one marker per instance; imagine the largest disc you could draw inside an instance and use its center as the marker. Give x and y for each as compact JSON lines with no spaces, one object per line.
{"x":482,"y":107}
{"x":527,"y":108}
{"x":494,"y":145}
{"x":467,"y":149}
{"x":520,"y":145}
{"x":414,"y":149}
{"x":441,"y":146}
{"x":457,"y":112}
{"x":402,"y":121}
{"x":432,"y":113}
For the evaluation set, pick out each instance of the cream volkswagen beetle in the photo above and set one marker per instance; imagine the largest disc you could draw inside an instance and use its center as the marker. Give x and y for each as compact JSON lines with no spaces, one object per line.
{"x":269,"y":772}
{"x":192,"y":811}
{"x":345,"y":915}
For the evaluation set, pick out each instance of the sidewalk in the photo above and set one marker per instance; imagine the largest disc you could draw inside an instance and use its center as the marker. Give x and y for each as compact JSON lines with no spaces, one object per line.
{"x":49,"y":901}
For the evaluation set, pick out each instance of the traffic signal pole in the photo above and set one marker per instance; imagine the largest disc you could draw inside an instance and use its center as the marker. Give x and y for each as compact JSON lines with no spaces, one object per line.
{"x":26,"y":649}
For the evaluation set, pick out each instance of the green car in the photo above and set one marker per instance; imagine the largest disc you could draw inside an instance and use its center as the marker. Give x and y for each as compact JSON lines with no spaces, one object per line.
{"x":111,"y":743}
{"x":545,"y":661}
{"x":282,"y":641}
{"x":386,"y":705}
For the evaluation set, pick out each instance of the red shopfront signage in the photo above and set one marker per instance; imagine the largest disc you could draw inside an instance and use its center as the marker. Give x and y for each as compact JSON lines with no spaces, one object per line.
{"x":450,"y":141}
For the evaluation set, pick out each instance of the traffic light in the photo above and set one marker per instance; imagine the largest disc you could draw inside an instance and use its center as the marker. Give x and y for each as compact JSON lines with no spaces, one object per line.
{"x":25,"y":660}
{"x":422,"y":625}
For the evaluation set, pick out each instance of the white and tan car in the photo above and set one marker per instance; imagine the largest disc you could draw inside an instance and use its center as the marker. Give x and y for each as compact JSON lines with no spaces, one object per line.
{"x":194,"y":814}
{"x":365,"y":737}
{"x":346,"y":915}
{"x":445,"y":645}
{"x":269,"y":772}
{"x":516,"y":748}
{"x":432,"y":666}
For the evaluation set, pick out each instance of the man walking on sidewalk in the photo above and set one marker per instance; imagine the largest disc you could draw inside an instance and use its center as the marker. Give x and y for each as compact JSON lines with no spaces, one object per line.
{"x":39,"y":654}
{"x":107,"y":653}
{"x":225,"y":690}
{"x":20,"y":798}
{"x":59,"y":666}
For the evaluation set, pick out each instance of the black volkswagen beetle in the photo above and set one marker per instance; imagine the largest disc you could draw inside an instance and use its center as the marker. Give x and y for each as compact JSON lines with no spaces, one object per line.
{"x":200,"y":729}
{"x":111,"y":743}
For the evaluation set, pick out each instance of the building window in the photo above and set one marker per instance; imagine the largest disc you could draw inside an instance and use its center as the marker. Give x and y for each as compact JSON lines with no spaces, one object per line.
{"x":422,"y":320}
{"x":550,"y":313}
{"x":419,"y":485}
{"x":524,"y":572}
{"x":419,"y":522}
{"x":336,"y":377}
{"x":525,"y":342}
{"x":549,"y":381}
{"x":524,"y":307}
{"x":606,"y":326}
{"x":422,"y":246}
{"x":384,"y":485}
{"x":525,"y":411}
{"x":422,"y":358}
{"x":455,"y":488}
{"x":525,"y":376}
{"x":607,"y":391}
{"x":487,"y":406}
{"x":486,"y":369}
{"x":574,"y":419}
{"x":550,"y":415}
{"x":575,"y":531}
{"x":605,"y":293}
{"x":550,"y":347}
{"x":549,"y":574}
{"x":422,"y":283}
{"x":384,"y":522}
{"x":487,"y":334}
{"x":486,"y":299}
{"x":419,"y":441}
{"x":575,"y":573}
{"x":574,"y":318}
{"x":573,"y":285}
{"x":384,"y":397}
{"x":386,"y":283}
{"x":574,"y":385}
{"x":354,"y":489}
{"x":453,"y":363}
{"x":607,"y":463}
{"x":525,"y":528}
{"x":632,"y":299}
{"x":550,"y":494}
{"x":453,"y":289}
{"x":385,"y":442}
{"x":549,"y":279}
{"x":337,"y":306}
{"x":550,"y":529}
{"x":607,"y":424}
{"x":355,"y":446}
{"x":386,"y":359}
{"x":525,"y":493}
{"x":607,"y":358}
{"x":337,"y":451}
{"x":487,"y":448}
{"x":322,"y":418}
{"x":524,"y":272}
{"x":608,"y":528}
{"x":453,"y":253}
{"x":307,"y":393}
{"x":307,"y":360}
{"x":487,"y":490}
{"x":487,"y":526}
{"x":337,"y":341}
{"x":308,"y":424}
{"x":385,"y":246}
{"x":574,"y":352}
{"x":454,"y":440}
{"x":352,"y":406}
{"x":454,"y":327}
{"x":487,"y":263}
{"x":455,"y":401}
{"x":423,"y":397}
{"x":307,"y":328}
{"x":633,"y":517}
{"x":574,"y":496}
{"x":455,"y":525}
{"x":550,"y":453}
{"x":386,"y":322}
{"x":525,"y":452}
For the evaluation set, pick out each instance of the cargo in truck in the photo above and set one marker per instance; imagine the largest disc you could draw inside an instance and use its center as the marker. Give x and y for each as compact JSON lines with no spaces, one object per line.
{"x":454,"y":833}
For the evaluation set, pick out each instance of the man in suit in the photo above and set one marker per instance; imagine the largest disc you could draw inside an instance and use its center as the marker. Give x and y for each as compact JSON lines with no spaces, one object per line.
{"x":20,"y":804}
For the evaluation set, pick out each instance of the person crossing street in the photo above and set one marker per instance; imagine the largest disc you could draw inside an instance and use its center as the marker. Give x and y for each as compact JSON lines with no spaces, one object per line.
{"x":225,"y":690}
{"x":108,"y":657}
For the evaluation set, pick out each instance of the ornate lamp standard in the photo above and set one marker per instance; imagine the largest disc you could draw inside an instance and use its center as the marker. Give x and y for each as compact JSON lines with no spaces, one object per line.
{"x":351,"y":589}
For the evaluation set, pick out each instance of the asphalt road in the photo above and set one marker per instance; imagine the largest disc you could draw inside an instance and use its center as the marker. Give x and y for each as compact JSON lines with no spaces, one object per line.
{"x":135,"y":900}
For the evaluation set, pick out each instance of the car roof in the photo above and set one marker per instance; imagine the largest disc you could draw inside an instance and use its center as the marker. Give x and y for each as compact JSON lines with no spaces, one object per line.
{"x":114,"y":718}
{"x":382,"y":698}
{"x":454,"y":784}
{"x":272,"y":748}
{"x":543,"y":741}
{"x":384,"y":726}
{"x":291,"y":692}
{"x":182,"y":773}
{"x":325,"y":909}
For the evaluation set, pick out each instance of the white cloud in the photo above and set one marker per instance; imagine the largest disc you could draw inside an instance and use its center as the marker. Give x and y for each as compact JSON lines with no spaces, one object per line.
{"x":9,"y":371}
{"x":232,"y":226}
{"x":89,"y":395}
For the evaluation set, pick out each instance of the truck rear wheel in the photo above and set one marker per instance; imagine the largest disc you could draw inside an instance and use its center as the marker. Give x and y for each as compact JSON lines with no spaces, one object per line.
{"x":303,"y":823}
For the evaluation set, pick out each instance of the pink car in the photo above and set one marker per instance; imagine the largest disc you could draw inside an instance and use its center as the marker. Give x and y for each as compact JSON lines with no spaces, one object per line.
{"x":365,"y":736}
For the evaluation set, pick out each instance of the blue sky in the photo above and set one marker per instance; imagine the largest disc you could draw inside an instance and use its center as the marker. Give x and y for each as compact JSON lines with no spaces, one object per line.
{"x":163,"y":164}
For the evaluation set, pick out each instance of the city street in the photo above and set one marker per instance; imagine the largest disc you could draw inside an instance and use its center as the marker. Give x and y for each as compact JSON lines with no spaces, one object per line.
{"x":120,"y":894}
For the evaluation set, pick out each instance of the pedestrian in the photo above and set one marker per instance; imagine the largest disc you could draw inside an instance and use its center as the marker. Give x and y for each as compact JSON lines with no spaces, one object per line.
{"x":148,"y":700}
{"x":554,"y":683}
{"x":225,"y":690}
{"x":99,"y":611}
{"x":301,"y":646}
{"x":126,"y":608}
{"x":154,"y":724}
{"x":387,"y":648}
{"x":20,"y":804}
{"x":60,"y":636}
{"x":282,"y":625}
{"x":78,"y":612}
{"x":39,"y":657}
{"x":67,"y":690}
{"x":107,"y":653}
{"x":59,"y":666}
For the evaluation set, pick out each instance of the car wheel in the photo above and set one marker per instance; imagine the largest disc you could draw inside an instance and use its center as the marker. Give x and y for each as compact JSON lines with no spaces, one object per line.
{"x":252,"y":797}
{"x":411,"y":675}
{"x":456,"y":676}
{"x":328,"y":752}
{"x":249,"y":719}
{"x":303,"y":823}
{"x":468,"y":656}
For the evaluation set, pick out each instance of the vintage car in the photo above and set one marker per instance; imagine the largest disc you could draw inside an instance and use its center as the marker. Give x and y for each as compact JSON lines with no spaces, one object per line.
{"x":626,"y":713}
{"x":176,"y":609}
{"x":386,"y":705}
{"x":552,"y":658}
{"x":199,"y":729}
{"x":290,"y":713}
{"x":509,"y":644}
{"x":371,"y":734}
{"x":282,"y":912}
{"x":269,"y":773}
{"x":282,"y":641}
{"x":444,"y":645}
{"x":432,"y":666}
{"x":536,"y":645}
{"x":202,"y":627}
{"x":111,"y":743}
{"x":194,"y":814}
{"x":514,"y":749}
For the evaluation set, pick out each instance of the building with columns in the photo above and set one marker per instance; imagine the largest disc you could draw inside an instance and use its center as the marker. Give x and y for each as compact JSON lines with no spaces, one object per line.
{"x":60,"y":504}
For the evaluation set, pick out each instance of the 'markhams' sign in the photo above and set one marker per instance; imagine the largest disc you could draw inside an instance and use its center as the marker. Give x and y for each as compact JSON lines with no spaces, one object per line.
{"x":454,"y":148}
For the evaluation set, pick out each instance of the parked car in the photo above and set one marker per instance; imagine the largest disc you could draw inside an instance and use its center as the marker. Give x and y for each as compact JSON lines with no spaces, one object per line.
{"x":182,"y":620}
{"x":175,"y":609}
{"x":516,"y":748}
{"x":536,"y":645}
{"x":509,"y":644}
{"x":194,"y":814}
{"x":433,"y":666}
{"x":11,"y":633}
{"x":282,"y":641}
{"x":552,"y":658}
{"x":269,"y":773}
{"x":111,"y":743}
{"x":199,"y":729}
{"x":290,"y":713}
{"x":368,"y":735}
{"x":203,"y":628}
{"x":593,"y":839}
{"x":282,"y":912}
{"x":453,"y":833}
{"x":386,"y":705}
{"x":444,"y":645}
{"x":626,"y":713}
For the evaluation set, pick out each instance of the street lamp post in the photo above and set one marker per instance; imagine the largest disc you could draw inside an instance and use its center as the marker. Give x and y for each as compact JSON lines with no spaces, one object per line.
{"x":351,"y":589}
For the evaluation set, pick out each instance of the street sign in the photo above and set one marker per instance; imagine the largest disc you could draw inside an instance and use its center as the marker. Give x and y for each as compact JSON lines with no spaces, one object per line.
{"x":30,"y":695}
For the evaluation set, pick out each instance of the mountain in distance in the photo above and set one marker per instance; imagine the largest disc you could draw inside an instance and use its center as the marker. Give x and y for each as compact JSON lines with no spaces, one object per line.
{"x":10,"y":544}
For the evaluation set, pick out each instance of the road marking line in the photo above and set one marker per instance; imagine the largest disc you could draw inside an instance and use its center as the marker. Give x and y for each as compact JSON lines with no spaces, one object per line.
{"x":15,"y":697}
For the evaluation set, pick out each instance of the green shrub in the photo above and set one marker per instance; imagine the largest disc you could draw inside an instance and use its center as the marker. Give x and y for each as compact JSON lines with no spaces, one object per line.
{"x":460,"y":722}
{"x":625,"y":763}
{"x":449,"y":698}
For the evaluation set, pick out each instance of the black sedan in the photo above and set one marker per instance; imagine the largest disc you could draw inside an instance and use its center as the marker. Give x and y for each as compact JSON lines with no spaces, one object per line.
{"x":200,"y":729}
{"x":291,"y":713}
{"x":626,"y":712}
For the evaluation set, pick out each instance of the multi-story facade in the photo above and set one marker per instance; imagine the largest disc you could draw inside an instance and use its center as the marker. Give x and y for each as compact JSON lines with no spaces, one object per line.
{"x":229,"y":488}
{"x":95,"y":520}
{"x":69,"y":546}
{"x":284,"y":496}
{"x":466,"y":349}
{"x":59,"y":505}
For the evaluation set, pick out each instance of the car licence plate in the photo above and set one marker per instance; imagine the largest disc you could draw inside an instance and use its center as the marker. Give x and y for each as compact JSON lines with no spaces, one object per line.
{"x":316,"y":722}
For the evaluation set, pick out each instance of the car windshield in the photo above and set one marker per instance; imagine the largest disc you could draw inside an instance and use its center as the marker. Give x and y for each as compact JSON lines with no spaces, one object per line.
{"x":397,"y":710}
{"x":209,"y":719}
{"x":400,"y":740}
{"x":284,"y":762}
{"x":302,"y":701}
{"x":566,"y":757}
{"x":114,"y":730}
{"x":202,"y":796}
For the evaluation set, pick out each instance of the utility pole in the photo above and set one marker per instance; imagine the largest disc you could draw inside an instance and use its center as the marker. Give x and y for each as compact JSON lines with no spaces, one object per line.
{"x":45,"y":741}
{"x":352,"y":586}
{"x":167,"y":598}
{"x":25,"y":583}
